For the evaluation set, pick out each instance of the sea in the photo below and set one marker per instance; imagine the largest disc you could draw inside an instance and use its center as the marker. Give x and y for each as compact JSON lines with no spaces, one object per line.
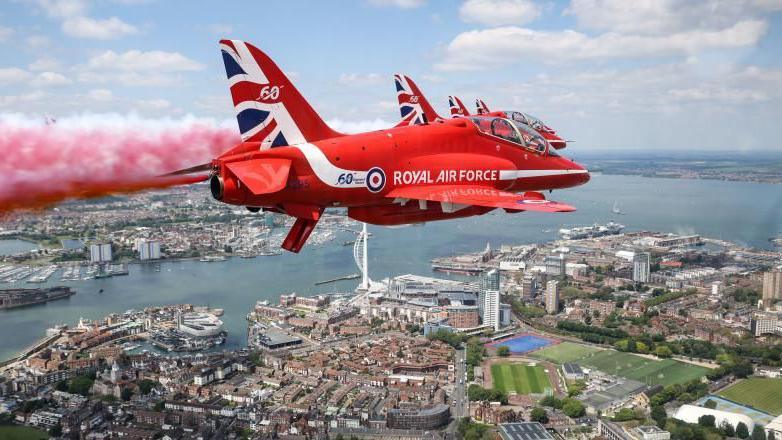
{"x":746,"y":213}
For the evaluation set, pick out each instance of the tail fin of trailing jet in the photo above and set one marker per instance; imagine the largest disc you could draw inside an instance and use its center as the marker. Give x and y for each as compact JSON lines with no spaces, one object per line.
{"x":413,"y":105}
{"x":483,"y":109}
{"x":268,"y":107}
{"x":457,"y":107}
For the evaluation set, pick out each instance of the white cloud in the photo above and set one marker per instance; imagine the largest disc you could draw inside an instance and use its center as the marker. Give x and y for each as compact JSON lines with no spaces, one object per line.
{"x":153,"y":104}
{"x":76,"y":22}
{"x":499,"y":12}
{"x":404,"y":4}
{"x":11,"y":75}
{"x":37,"y":41}
{"x":483,"y":49}
{"x":101,"y":95}
{"x":655,"y":17}
{"x":49,"y":79}
{"x":44,"y":63}
{"x":13,"y":101}
{"x":106,"y":29}
{"x":358,"y":126}
{"x":63,"y":8}
{"x":132,"y":79}
{"x":220,"y":29}
{"x":5,"y":33}
{"x":362,"y":79}
{"x":138,"y":61}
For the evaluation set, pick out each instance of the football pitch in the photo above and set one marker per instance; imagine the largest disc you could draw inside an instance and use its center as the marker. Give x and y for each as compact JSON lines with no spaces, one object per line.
{"x":520,"y":378}
{"x":760,"y":393}
{"x":649,"y":371}
{"x":565,"y":352}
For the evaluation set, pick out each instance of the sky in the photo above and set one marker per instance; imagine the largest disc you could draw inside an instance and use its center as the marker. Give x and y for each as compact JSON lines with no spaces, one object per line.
{"x":608,"y":74}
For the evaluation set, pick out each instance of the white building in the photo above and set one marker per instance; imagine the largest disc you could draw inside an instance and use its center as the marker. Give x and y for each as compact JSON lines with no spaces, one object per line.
{"x":552,"y":297}
{"x":691,"y":414}
{"x":505,"y":315}
{"x":641,"y":267}
{"x":148,"y":250}
{"x":489,"y":308}
{"x":200,"y":324}
{"x":100,"y":252}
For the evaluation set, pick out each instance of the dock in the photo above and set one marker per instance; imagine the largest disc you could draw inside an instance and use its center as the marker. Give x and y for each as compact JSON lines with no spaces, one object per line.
{"x":352,"y":276}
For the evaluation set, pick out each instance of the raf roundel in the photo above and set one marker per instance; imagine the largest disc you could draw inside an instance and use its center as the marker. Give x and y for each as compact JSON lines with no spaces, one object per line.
{"x":376,"y":179}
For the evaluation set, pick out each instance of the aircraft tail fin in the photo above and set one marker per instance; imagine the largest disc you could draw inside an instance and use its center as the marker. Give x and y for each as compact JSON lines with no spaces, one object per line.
{"x":413,"y":105}
{"x":483,"y":109}
{"x":457,"y":107}
{"x":268,"y":106}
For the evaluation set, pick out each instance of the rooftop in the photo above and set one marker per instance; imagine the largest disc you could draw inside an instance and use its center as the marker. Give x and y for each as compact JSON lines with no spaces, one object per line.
{"x":524,"y":431}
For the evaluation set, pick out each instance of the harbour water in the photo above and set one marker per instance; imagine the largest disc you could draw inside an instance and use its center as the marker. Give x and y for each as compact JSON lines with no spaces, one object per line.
{"x":747,"y":213}
{"x":15,"y":246}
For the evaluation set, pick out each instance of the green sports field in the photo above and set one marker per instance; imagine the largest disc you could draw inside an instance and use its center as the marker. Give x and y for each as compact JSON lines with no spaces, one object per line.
{"x":13,"y":432}
{"x":649,"y":371}
{"x":758,"y":392}
{"x":565,"y":352}
{"x":520,"y":378}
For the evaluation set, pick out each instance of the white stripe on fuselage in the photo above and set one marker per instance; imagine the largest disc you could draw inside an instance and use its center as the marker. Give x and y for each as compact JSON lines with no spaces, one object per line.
{"x":521,"y":174}
{"x":329,"y":173}
{"x":326,"y":171}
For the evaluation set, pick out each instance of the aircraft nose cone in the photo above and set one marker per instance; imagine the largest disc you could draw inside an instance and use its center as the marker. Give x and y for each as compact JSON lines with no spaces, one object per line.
{"x":581,"y":176}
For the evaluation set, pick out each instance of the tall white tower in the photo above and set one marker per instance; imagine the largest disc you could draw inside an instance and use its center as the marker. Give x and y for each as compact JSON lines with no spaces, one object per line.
{"x":360,"y":256}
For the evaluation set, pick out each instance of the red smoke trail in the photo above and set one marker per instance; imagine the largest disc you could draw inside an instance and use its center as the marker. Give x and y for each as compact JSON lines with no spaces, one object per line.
{"x":44,"y":165}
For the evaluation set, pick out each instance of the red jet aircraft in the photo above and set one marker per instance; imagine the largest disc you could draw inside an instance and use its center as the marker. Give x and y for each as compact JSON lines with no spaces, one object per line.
{"x":415,"y":109}
{"x":291,"y":162}
{"x":548,"y":133}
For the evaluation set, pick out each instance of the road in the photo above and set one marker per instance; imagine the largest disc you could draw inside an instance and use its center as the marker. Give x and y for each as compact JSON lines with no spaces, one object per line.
{"x":459,"y":399}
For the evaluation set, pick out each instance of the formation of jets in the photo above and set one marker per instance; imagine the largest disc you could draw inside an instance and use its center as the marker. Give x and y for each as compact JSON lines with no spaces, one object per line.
{"x":426,"y":168}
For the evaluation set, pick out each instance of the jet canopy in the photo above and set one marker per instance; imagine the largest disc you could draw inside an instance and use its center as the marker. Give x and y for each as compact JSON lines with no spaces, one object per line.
{"x":512,"y":131}
{"x":529,"y":120}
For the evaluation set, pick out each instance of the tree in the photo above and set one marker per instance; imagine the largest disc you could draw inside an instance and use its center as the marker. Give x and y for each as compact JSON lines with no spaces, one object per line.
{"x":663,"y":351}
{"x":624,"y":415}
{"x":573,"y":408}
{"x":55,"y":431}
{"x":758,"y":433}
{"x":707,"y":421}
{"x":742,"y":431}
{"x":503,"y":351}
{"x":539,"y":415}
{"x":658,"y":414}
{"x":551,"y":402}
{"x":80,"y":385}
{"x":126,"y":394}
{"x":711,"y":404}
{"x":146,"y":385}
{"x":726,"y":428}
{"x":61,"y":386}
{"x":741,"y":369}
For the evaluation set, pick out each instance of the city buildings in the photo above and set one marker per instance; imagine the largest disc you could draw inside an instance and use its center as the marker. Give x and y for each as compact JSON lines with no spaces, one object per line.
{"x":766,"y":323}
{"x":148,"y":250}
{"x":552,"y":297}
{"x":489,"y":299}
{"x":641,"y":267}
{"x":100,"y":252}
{"x":556,"y":265}
{"x":772,"y":287}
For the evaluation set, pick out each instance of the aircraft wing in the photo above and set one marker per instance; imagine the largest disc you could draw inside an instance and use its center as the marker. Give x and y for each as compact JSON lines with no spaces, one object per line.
{"x":262,"y":176}
{"x":480,"y":196}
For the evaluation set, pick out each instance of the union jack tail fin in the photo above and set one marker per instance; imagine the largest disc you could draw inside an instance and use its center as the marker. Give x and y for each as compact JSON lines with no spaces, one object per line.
{"x":268,"y":107}
{"x":483,"y":109}
{"x":413,"y":105}
{"x":457,"y":107}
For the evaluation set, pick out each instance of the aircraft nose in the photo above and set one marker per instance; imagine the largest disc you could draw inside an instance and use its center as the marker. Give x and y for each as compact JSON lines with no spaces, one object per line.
{"x":580,"y":175}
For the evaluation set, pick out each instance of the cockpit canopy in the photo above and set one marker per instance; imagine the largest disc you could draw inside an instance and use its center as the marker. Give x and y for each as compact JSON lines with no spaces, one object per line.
{"x":529,"y":120}
{"x":513,"y":131}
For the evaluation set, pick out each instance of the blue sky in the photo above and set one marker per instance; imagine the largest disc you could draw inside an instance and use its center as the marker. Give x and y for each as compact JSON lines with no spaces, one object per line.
{"x":609,"y":74}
